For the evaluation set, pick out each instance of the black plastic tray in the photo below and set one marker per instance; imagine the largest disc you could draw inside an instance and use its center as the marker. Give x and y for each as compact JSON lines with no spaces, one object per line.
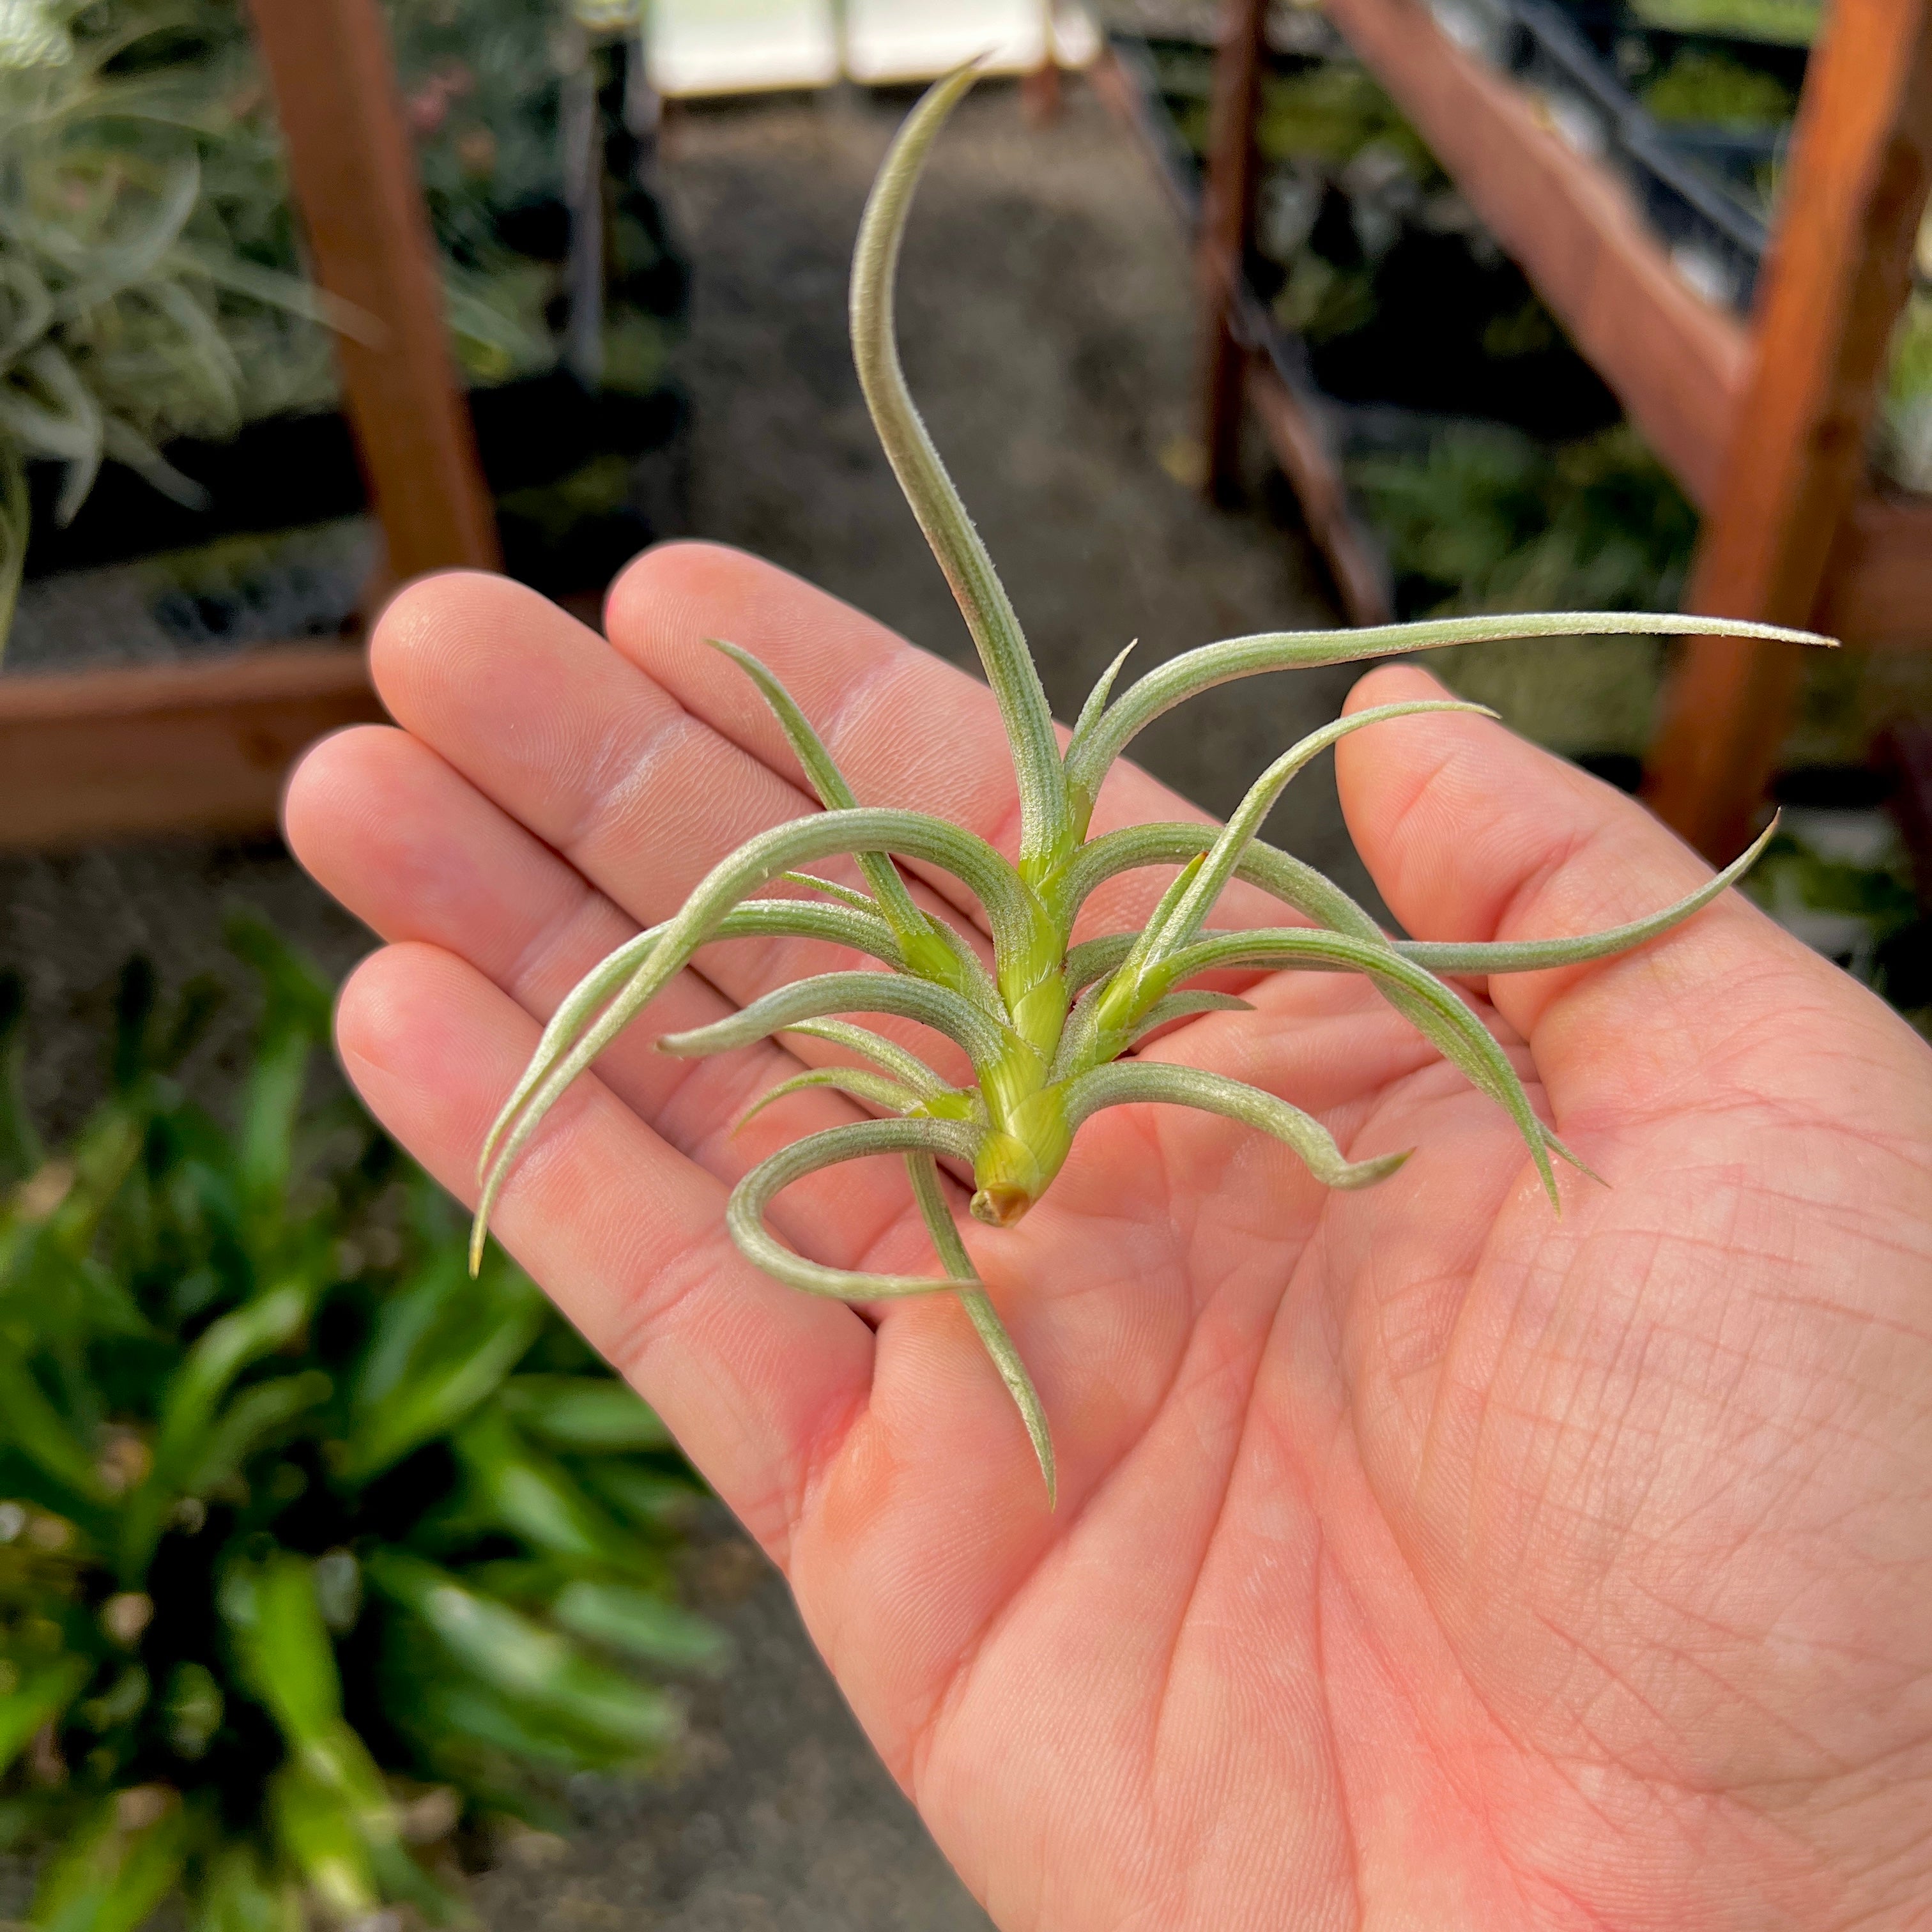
{"x":1715,"y":237}
{"x":288,"y":472}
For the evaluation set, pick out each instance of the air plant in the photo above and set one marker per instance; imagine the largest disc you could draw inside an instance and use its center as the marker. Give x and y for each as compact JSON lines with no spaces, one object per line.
{"x":1050,"y":1028}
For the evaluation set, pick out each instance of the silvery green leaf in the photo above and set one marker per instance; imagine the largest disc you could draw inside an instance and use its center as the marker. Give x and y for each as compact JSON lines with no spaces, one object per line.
{"x":744,"y":1213}
{"x":1126,"y":1083}
{"x":975,"y":585}
{"x":1192,"y":672}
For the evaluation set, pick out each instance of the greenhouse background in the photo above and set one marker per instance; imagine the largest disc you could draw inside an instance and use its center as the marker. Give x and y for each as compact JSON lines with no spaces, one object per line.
{"x":384,"y":1600}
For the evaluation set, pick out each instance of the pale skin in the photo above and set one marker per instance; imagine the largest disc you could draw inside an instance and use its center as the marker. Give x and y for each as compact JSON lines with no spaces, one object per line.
{"x":1421,"y":1558}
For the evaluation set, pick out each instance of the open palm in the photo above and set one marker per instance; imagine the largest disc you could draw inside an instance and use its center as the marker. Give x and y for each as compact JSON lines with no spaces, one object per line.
{"x":1421,"y":1558}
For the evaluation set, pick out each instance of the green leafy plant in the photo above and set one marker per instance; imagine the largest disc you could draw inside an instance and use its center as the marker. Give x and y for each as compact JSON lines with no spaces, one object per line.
{"x":1905,"y":442}
{"x":1704,"y":87}
{"x":1485,"y":518}
{"x":131,"y":308}
{"x":311,"y":1549}
{"x":152,"y":282}
{"x":1329,"y":113}
{"x":1789,"y":23}
{"x":1049,"y":1028}
{"x":1488,"y":519}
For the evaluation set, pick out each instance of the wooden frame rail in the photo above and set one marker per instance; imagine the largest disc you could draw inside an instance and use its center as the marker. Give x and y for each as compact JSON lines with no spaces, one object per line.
{"x":1763,"y":423}
{"x":1839,"y":272}
{"x":354,"y":173}
{"x":201,"y":748}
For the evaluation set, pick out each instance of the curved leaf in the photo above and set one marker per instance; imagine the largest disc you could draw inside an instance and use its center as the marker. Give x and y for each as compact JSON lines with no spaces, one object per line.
{"x":1437,"y":1011}
{"x":744,"y":1213}
{"x":931,"y":1195}
{"x":969,"y":570}
{"x":894,"y":902}
{"x":1530,"y":956}
{"x":900,"y":1064}
{"x":1128,"y":1083}
{"x":1009,"y":905}
{"x":874,"y":1089}
{"x":982,"y":1039}
{"x":1182,"y":677}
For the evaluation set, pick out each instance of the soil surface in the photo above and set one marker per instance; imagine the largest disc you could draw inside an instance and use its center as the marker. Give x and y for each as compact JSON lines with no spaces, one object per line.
{"x":775,"y":1817}
{"x":1048,"y":321}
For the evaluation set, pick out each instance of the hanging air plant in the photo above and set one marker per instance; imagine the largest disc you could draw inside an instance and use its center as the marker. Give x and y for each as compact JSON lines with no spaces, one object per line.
{"x":1049,"y":1027}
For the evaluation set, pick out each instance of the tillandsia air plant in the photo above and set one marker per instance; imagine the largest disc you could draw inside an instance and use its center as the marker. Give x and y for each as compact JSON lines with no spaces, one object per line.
{"x":1050,"y":1029}
{"x":317,"y":1563}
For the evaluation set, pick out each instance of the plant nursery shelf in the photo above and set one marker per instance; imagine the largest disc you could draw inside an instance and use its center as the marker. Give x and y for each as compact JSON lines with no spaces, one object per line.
{"x":1762,"y":420}
{"x":201,"y":748}
{"x":205,"y":747}
{"x":1679,"y":364}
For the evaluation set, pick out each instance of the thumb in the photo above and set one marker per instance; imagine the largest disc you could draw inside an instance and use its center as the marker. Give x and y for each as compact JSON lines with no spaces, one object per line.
{"x":1471,"y":833}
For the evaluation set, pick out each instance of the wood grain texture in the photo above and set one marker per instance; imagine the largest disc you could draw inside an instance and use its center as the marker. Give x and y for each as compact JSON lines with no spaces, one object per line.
{"x":1227,"y":215}
{"x":200,"y":748}
{"x":354,"y":173}
{"x":1878,"y":584}
{"x":1676,"y":362}
{"x":1836,"y":276}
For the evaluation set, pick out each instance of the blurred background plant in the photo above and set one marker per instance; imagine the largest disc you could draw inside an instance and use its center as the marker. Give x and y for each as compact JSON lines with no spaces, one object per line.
{"x":1906,"y":433}
{"x":152,"y":284}
{"x":1484,"y":518}
{"x":319,"y":1563}
{"x":144,"y":280}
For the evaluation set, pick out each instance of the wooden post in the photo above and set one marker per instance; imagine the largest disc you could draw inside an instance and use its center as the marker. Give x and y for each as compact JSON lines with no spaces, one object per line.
{"x":1838,"y":273}
{"x":1040,"y":90}
{"x":1227,"y":215}
{"x":354,"y":173}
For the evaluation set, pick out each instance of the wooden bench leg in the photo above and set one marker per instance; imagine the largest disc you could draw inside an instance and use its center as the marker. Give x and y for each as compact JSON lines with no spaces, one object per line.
{"x":1227,"y":215}
{"x":356,"y":182}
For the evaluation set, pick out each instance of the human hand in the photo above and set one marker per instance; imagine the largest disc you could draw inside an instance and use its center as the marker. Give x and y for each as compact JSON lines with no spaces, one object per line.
{"x":1421,"y":1558}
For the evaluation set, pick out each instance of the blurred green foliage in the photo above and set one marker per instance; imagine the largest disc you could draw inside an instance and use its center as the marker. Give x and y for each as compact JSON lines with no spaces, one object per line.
{"x":152,"y":277}
{"x":1905,"y":438}
{"x":1485,"y":518}
{"x":1489,"y":520}
{"x":1706,"y":88}
{"x":313,"y":1552}
{"x":1792,"y":23}
{"x":1329,"y":113}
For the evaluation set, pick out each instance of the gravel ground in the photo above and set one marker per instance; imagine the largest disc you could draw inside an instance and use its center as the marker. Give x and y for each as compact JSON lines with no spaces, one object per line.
{"x":777,"y":1818}
{"x":1049,"y":334}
